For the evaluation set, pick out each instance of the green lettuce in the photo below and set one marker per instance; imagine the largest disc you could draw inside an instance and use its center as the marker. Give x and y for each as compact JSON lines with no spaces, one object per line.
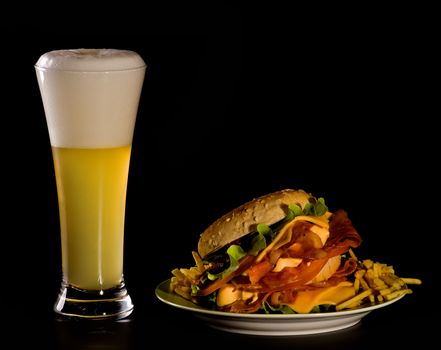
{"x":235,"y":253}
{"x":282,"y":309}
{"x":318,"y":208}
{"x":257,"y":244}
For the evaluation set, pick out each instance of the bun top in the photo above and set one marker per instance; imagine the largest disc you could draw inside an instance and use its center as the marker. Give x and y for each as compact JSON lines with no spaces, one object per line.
{"x":239,"y":222}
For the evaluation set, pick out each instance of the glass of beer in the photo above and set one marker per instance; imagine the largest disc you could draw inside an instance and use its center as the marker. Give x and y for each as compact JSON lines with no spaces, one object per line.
{"x":90,"y":99}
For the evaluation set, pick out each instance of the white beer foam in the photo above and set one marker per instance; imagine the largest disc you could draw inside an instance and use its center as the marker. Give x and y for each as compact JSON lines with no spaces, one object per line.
{"x":90,"y":96}
{"x":90,"y":60}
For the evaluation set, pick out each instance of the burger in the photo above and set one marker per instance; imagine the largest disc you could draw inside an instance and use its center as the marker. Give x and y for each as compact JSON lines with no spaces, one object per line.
{"x":283,"y":252}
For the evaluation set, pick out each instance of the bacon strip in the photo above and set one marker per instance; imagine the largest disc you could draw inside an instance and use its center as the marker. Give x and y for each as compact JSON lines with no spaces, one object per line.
{"x":291,"y":277}
{"x":342,"y":235}
{"x":348,"y":268}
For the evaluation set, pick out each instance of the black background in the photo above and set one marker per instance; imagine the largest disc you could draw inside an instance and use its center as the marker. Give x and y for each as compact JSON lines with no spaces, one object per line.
{"x":237,"y":102}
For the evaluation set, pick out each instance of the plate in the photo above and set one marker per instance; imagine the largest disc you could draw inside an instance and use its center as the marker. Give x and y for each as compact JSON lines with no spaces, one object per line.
{"x":269,"y":325}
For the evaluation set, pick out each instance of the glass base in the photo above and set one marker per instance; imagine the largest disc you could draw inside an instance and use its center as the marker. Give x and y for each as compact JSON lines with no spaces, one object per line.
{"x":114,"y":303}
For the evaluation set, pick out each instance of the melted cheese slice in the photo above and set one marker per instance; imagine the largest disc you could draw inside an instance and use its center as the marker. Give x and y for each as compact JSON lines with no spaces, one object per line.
{"x":306,"y":300}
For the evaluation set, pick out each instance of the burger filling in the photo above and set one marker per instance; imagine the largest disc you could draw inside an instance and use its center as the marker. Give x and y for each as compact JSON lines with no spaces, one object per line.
{"x":296,"y":265}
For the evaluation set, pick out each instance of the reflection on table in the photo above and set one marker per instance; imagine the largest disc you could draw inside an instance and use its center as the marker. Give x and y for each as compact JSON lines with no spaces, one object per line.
{"x":84,"y":334}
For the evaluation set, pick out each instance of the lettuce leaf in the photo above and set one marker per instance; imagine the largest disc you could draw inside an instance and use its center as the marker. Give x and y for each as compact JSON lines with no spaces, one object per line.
{"x":318,"y":208}
{"x":282,"y":309}
{"x":295,"y":209}
{"x":194,"y":289}
{"x":257,"y":244}
{"x":235,"y":253}
{"x":265,"y":231}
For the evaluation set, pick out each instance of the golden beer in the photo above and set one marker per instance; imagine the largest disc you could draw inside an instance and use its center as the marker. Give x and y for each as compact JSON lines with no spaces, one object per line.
{"x":91,"y":186}
{"x":90,"y":98}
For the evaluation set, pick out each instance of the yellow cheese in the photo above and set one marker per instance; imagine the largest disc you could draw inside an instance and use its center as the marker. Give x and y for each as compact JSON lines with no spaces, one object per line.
{"x":306,"y":300}
{"x":249,"y":295}
{"x":321,"y":221}
{"x":228,"y":294}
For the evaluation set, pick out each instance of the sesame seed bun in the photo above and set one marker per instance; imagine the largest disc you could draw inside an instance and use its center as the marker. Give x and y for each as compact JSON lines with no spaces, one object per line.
{"x":239,"y":222}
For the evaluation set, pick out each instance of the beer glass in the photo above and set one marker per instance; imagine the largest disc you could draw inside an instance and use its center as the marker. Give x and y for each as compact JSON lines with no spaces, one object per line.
{"x":90,"y":99}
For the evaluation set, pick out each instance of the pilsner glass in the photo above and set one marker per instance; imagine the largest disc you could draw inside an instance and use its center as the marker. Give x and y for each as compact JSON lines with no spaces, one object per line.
{"x":90,"y":99}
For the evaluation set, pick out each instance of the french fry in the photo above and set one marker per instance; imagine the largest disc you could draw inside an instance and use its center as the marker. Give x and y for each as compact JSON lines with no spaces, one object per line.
{"x":364,"y":284}
{"x":368,"y":263}
{"x":411,"y":280}
{"x":387,"y":291}
{"x":379,"y":284}
{"x":199,"y":262}
{"x":179,"y":275}
{"x":392,"y":280}
{"x":359,"y":273}
{"x":183,"y":279}
{"x":352,"y":255}
{"x":353,"y":300}
{"x":356,"y":285}
{"x":376,"y":282}
{"x":398,"y":293}
{"x":354,"y":305}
